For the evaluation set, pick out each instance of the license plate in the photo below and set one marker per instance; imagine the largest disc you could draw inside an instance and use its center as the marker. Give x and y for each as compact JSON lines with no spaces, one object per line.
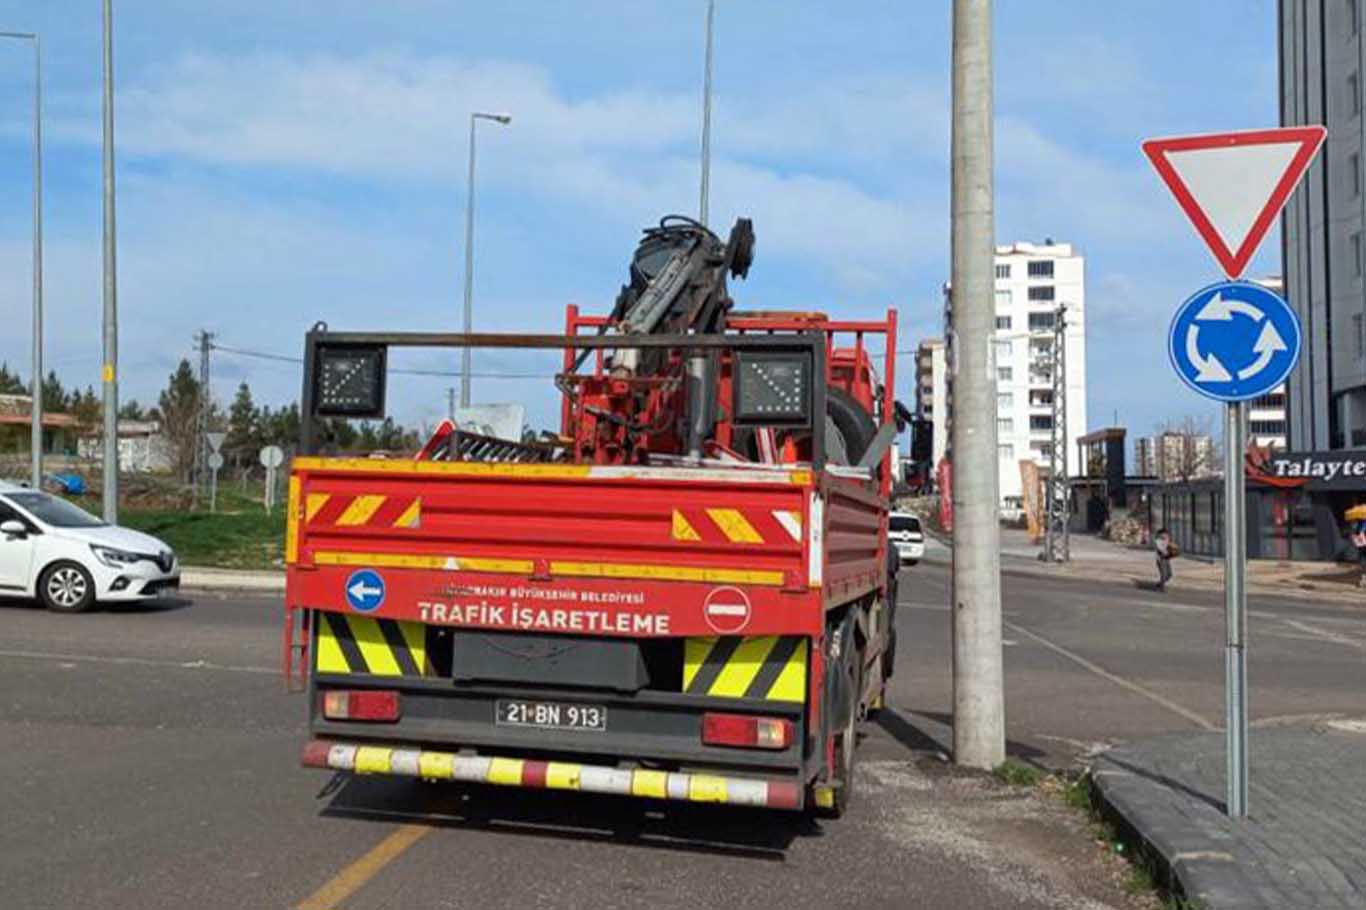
{"x":551,"y":715}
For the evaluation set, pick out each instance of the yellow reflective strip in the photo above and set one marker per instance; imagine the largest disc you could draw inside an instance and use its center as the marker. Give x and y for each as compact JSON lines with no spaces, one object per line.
{"x":735,"y":677}
{"x":315,"y":502}
{"x":825,"y":796}
{"x":373,"y":760}
{"x":682,"y":530}
{"x":360,"y":511}
{"x":378,"y":657}
{"x":292,"y":522}
{"x":791,"y":683}
{"x":415,"y":634}
{"x":412,"y":561}
{"x":695,"y":651}
{"x":411,"y":517}
{"x":562,"y":776}
{"x":458,"y":468}
{"x":507,"y":771}
{"x":667,"y":573}
{"x":704,"y":788}
{"x":650,"y":783}
{"x":330,"y":656}
{"x":734,"y":525}
{"x":797,"y":478}
{"x":436,"y":765}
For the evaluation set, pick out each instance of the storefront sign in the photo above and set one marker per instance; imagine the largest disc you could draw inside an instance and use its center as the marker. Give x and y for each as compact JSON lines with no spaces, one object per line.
{"x":1314,"y":470}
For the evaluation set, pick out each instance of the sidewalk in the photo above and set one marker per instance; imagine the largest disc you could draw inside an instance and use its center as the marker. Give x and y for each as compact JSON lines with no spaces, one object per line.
{"x":1100,"y":560}
{"x":231,"y":581}
{"x":1303,"y":843}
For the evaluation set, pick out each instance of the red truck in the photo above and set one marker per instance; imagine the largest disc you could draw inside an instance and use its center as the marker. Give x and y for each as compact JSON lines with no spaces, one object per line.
{"x":685,"y":593}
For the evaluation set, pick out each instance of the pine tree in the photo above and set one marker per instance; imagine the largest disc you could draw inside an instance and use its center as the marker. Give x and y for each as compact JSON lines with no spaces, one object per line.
{"x":11,"y":383}
{"x":179,"y":406}
{"x":244,"y":428}
{"x":54,"y":395}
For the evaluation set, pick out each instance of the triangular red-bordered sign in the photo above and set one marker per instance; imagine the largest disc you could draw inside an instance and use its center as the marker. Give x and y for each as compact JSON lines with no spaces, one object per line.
{"x":1223,"y":184}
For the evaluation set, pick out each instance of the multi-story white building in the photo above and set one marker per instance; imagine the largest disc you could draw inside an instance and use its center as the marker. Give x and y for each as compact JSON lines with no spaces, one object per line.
{"x":931,"y":396}
{"x":1032,"y":282}
{"x":1173,"y":455}
{"x":1266,"y":419}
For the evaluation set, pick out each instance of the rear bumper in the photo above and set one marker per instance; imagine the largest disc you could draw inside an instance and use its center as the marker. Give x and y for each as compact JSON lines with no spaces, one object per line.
{"x":361,"y":758}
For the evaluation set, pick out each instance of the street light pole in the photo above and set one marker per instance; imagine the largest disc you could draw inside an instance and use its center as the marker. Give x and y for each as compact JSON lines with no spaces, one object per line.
{"x":978,"y":677}
{"x":705,"y":201}
{"x":109,"y":372}
{"x":504,"y":119}
{"x":36,"y":410}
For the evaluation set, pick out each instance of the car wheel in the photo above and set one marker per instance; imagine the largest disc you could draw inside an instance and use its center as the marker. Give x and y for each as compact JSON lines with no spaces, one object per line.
{"x":66,"y":587}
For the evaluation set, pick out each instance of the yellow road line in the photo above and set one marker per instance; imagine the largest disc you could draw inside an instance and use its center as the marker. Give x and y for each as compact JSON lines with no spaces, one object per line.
{"x":351,"y":879}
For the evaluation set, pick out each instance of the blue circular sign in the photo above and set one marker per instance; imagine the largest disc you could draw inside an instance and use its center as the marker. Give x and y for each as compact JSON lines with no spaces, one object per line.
{"x":1233,"y":341}
{"x":365,"y":590}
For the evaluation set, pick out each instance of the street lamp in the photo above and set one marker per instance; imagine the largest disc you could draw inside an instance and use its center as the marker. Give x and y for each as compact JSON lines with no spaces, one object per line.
{"x":475,"y":117}
{"x":36,"y":410}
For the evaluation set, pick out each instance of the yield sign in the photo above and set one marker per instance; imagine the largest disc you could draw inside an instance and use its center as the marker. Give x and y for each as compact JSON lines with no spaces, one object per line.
{"x":1233,"y":185}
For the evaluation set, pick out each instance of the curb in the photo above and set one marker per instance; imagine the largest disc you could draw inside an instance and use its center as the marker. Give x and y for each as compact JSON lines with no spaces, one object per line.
{"x":228,"y":581}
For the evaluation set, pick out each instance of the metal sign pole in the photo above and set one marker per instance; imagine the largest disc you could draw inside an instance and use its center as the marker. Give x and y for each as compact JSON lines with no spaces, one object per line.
{"x":1235,"y":605}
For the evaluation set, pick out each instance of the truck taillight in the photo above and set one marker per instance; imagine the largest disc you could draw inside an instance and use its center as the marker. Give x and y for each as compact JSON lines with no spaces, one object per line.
{"x":746,"y":732}
{"x":379,"y":704}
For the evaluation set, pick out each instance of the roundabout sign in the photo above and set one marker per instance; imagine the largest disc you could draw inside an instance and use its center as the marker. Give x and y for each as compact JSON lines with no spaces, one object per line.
{"x":1234,"y":341}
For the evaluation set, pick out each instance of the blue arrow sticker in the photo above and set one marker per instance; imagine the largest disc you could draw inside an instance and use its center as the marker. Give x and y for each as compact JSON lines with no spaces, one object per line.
{"x":1234,"y":341}
{"x":365,"y":590}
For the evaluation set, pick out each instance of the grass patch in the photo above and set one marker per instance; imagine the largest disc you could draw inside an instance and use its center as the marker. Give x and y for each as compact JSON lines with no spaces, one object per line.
{"x":1016,"y":773}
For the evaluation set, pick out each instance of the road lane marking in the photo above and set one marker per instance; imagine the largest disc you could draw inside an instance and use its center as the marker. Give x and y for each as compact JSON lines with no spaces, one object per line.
{"x":351,"y":879}
{"x":137,"y":661}
{"x":1120,"y":681}
{"x":1324,"y":634}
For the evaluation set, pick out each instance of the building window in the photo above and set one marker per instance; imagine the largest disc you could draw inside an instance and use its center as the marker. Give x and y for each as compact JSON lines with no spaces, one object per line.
{"x":1355,"y":240}
{"x":1041,"y":269}
{"x":1354,"y":173}
{"x":1003,"y":322}
{"x":1003,"y":300}
{"x":1005,"y":374}
{"x":1003,"y":349}
{"x":1005,"y":401}
{"x":1353,"y":95}
{"x":1042,"y":292}
{"x":1003,"y":270}
{"x":1041,"y":422}
{"x":1007,"y":452}
{"x":1267,"y":427}
{"x":1038,"y":321}
{"x":1004,"y":426}
{"x":1358,"y":339}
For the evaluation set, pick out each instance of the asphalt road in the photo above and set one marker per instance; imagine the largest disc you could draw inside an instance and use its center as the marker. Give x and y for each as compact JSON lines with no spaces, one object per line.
{"x":152,"y":762}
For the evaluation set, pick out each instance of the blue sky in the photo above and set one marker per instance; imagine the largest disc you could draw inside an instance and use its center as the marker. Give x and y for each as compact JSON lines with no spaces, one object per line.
{"x":284,"y":161}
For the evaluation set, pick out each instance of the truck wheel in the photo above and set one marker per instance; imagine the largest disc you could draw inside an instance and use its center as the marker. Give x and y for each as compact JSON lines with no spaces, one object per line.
{"x":831,"y":799}
{"x":66,"y":587}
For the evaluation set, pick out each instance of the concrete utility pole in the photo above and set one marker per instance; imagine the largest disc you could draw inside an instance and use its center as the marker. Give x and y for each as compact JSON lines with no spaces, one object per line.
{"x":201,"y":449}
{"x":36,"y":410}
{"x":978,"y":700}
{"x":109,"y":374}
{"x":475,"y":117}
{"x":705,"y":201}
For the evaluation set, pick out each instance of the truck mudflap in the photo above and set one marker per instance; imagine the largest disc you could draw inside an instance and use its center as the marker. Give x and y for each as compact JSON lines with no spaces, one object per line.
{"x":371,"y":758}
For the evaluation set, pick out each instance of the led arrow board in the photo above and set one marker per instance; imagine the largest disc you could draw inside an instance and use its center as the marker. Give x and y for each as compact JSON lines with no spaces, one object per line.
{"x":1233,"y":341}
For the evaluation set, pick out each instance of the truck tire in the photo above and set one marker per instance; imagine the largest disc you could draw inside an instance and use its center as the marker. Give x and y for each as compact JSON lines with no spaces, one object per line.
{"x":854,"y":424}
{"x":841,"y":779}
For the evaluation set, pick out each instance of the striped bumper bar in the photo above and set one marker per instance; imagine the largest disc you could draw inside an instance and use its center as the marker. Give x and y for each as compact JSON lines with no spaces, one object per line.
{"x":517,"y":772}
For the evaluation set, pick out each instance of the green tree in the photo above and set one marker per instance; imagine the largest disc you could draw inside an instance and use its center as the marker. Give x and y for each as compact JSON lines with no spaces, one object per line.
{"x":131,"y":410}
{"x":11,"y":383}
{"x":86,"y":407}
{"x":179,"y":406}
{"x":54,"y":395}
{"x":245,"y":433}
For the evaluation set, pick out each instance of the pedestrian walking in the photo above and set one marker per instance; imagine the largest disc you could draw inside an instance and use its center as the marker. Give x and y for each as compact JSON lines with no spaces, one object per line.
{"x":1165,"y":549}
{"x":1359,"y":541}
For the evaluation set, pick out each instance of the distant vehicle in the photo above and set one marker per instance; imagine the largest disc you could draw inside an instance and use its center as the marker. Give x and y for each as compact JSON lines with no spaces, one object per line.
{"x":71,"y":560}
{"x":907,"y":536}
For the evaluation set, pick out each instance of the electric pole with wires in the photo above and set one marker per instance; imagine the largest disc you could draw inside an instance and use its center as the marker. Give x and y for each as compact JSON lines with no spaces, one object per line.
{"x":1058,"y":504}
{"x":202,"y":451}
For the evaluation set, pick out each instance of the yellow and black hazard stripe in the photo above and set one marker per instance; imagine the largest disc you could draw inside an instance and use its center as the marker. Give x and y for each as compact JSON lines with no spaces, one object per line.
{"x":771,"y":667}
{"x":348,"y":644}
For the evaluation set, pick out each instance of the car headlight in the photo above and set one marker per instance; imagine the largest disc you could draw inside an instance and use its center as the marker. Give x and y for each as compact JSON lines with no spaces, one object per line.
{"x":114,"y":559}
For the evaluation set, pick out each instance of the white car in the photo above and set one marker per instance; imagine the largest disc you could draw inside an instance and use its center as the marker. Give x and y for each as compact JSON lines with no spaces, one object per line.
{"x":907,"y":536}
{"x":70,"y":560}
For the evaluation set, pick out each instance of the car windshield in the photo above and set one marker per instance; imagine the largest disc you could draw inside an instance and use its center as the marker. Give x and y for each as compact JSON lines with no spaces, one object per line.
{"x":905,"y":523}
{"x":53,"y":511}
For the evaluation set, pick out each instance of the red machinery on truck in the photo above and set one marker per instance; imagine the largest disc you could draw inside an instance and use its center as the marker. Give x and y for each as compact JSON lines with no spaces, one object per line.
{"x":686,"y":593}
